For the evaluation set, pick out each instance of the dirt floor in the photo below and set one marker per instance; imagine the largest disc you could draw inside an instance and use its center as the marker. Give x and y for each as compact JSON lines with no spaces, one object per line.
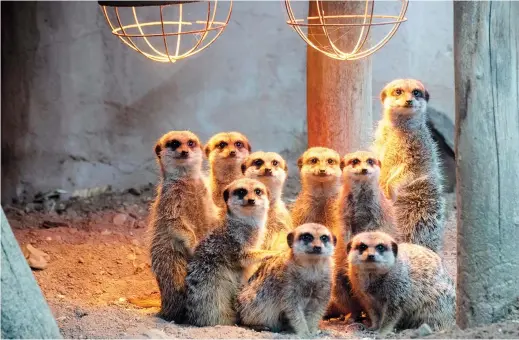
{"x":98,"y":259}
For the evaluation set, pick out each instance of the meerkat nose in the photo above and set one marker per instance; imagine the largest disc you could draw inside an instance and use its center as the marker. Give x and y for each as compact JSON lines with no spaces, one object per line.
{"x":409,"y":102}
{"x":322,"y":171}
{"x":364,"y":171}
{"x":251,"y":201}
{"x":317,"y":249}
{"x":232,"y":153}
{"x":371,"y":257}
{"x":268,"y":171}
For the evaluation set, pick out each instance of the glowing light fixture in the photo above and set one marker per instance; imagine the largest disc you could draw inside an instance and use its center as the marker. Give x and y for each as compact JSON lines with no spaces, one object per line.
{"x":167,"y":31}
{"x":328,"y":29}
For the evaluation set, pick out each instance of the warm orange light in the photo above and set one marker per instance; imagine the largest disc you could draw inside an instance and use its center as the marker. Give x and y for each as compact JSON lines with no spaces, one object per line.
{"x":153,"y":38}
{"x":328,"y":25}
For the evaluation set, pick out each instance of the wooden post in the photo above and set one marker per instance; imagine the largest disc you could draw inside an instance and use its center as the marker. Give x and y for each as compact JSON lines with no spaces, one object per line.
{"x":25,"y":313}
{"x":339,"y":113}
{"x":487,"y":159}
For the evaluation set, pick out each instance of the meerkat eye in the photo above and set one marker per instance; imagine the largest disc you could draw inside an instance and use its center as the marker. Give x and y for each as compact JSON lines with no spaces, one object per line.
{"x":331,"y":161}
{"x":381,"y":248}
{"x":173,"y":144}
{"x":325,"y":238}
{"x":314,"y":160}
{"x":221,"y":145}
{"x":355,"y":161}
{"x":398,"y":92}
{"x":275,"y":163}
{"x":306,"y":237}
{"x":258,"y":192}
{"x":191,"y":143}
{"x":371,"y":161}
{"x":417,"y":93}
{"x":240,"y":193}
{"x":258,"y":162}
{"x":239,"y":145}
{"x":362,"y":247}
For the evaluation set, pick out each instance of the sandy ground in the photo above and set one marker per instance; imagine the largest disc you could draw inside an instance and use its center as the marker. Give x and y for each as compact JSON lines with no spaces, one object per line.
{"x":98,"y":259}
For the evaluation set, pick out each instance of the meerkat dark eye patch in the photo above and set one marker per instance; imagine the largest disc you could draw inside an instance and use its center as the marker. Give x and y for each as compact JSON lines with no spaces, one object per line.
{"x":371,"y":161}
{"x":221,"y":145}
{"x":361,"y":247}
{"x":397,"y":92}
{"x":354,"y":161}
{"x":306,"y":237}
{"x":241,"y":193}
{"x":417,"y":93}
{"x":275,"y":163}
{"x":325,"y":238}
{"x":381,"y":248}
{"x":173,"y":144}
{"x":258,"y":162}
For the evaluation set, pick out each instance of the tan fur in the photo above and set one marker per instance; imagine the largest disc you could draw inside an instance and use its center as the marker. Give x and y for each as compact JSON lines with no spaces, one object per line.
{"x":221,"y":261}
{"x":294,"y":287}
{"x":362,"y":207}
{"x":402,"y":285}
{"x":226,"y":152}
{"x":182,"y":214}
{"x":410,"y":169}
{"x":271,"y":169}
{"x":320,"y":173}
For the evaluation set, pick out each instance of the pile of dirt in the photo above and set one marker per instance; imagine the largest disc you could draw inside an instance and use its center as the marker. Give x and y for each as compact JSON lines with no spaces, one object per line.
{"x":97,"y":258}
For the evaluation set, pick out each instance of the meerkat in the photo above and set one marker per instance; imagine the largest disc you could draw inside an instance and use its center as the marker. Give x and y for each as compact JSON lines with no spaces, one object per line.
{"x":362,"y":207}
{"x":220,"y":262}
{"x":271,"y":169}
{"x":402,"y":285}
{"x":181,"y":215}
{"x":225,"y":152}
{"x":320,"y":171}
{"x":410,"y":169}
{"x":294,"y":287}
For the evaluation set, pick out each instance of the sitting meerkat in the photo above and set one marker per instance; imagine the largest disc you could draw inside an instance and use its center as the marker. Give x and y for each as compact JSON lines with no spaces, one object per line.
{"x":271,"y":169}
{"x":320,"y":171}
{"x":410,"y":164}
{"x":225,"y":152}
{"x":402,"y":285}
{"x":294,"y":287}
{"x":221,"y":261}
{"x":362,"y":207}
{"x":181,"y":215}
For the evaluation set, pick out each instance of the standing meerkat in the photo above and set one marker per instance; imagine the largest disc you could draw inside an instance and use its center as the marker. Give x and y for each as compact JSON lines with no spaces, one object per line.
{"x":221,"y":261}
{"x":320,"y":171}
{"x":293,"y":287}
{"x":271,"y":169}
{"x":402,"y":285}
{"x":362,"y":207}
{"x":181,"y":215}
{"x":226,"y":152}
{"x":410,"y":164}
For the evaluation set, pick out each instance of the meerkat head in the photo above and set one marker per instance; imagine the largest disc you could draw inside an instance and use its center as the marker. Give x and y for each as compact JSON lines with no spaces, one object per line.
{"x":404,"y":97}
{"x":361,"y":166}
{"x":179,"y":152}
{"x":373,"y":252}
{"x":267,"y":167}
{"x":247,"y":198}
{"x":311,"y":240}
{"x":320,"y":165}
{"x":227,"y":148}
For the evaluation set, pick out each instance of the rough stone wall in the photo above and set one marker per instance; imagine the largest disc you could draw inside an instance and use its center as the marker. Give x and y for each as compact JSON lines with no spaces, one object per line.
{"x":80,"y":109}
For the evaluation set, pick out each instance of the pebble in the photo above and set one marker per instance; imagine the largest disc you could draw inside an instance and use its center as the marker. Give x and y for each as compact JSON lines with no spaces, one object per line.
{"x":424,"y":330}
{"x":120,"y":219}
{"x":80,"y":260}
{"x":36,"y":258}
{"x":134,"y":191}
{"x":155,"y":334}
{"x":106,"y":232}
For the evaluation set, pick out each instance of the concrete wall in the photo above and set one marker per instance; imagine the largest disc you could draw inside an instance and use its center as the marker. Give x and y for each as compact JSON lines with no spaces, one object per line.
{"x":80,"y":109}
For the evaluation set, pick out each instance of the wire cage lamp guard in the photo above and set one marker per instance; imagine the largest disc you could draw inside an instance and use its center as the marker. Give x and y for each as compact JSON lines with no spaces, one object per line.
{"x":323,"y":21}
{"x":137,"y":34}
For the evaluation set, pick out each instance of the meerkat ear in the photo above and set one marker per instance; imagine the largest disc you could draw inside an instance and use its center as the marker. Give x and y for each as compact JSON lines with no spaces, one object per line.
{"x":207,"y":150}
{"x":226,"y":195}
{"x":343,"y":164}
{"x":285,"y":167}
{"x":383,"y":95}
{"x":243,"y":168}
{"x":290,"y":239}
{"x":248,"y":146}
{"x":394,"y":247}
{"x":158,"y":149}
{"x":426,"y":95}
{"x":334,"y":240}
{"x":300,"y":162}
{"x":268,"y":193}
{"x":379,"y":162}
{"x":348,"y":247}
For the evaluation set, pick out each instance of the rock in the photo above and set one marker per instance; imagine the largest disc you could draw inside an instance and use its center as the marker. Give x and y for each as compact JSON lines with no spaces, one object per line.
{"x":424,"y":330}
{"x":131,"y":257}
{"x":134,"y":191}
{"x":80,"y":260}
{"x":155,"y":334}
{"x":30,"y":207}
{"x":106,"y":232}
{"x":80,"y":313}
{"x":36,"y":258}
{"x":120,"y":219}
{"x":136,"y":242}
{"x":53,"y":224}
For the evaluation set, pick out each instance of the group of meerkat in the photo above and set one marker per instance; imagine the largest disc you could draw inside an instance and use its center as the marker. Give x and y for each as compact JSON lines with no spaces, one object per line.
{"x":363,"y":234}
